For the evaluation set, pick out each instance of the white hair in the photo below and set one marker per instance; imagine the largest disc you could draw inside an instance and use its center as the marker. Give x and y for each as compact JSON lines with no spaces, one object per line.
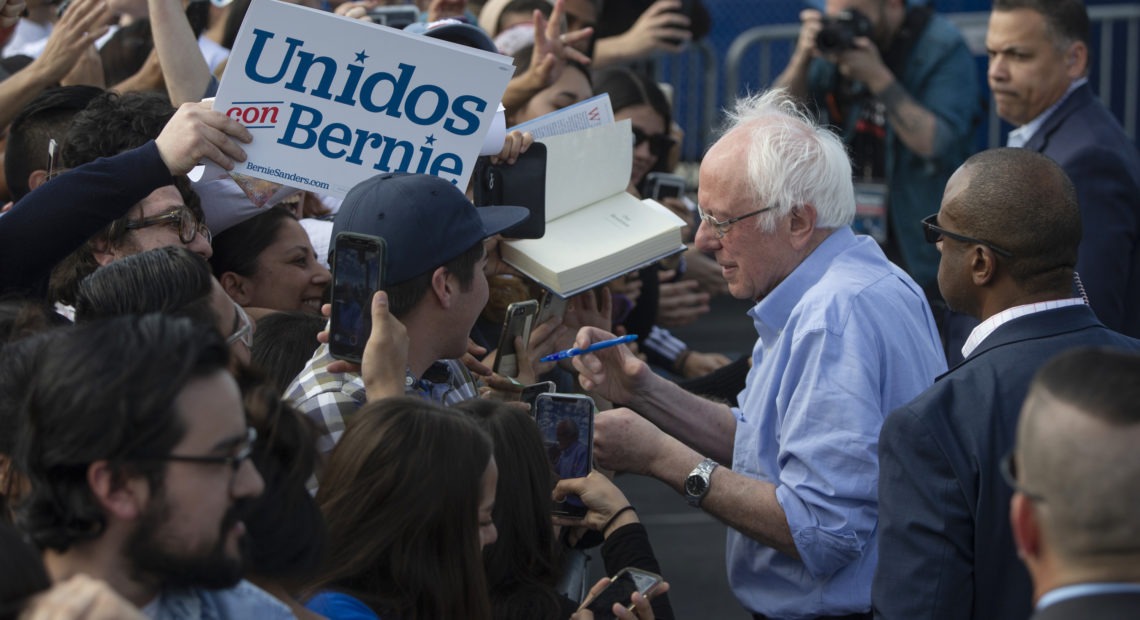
{"x":793,"y":161}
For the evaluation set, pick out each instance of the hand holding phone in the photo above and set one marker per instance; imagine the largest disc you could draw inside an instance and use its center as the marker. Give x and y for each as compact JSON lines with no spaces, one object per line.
{"x":607,"y":508}
{"x":621,"y":589}
{"x":517,"y":324}
{"x":566,"y":423}
{"x":358,"y":265}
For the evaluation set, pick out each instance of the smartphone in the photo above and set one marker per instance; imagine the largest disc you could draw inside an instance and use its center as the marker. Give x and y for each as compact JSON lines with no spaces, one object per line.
{"x":686,"y":10}
{"x":566,"y":423}
{"x":358,"y":272}
{"x":553,"y":305}
{"x":621,"y":589}
{"x":397,"y":17}
{"x":661,"y":185}
{"x":518,"y":322}
{"x":531,"y":392}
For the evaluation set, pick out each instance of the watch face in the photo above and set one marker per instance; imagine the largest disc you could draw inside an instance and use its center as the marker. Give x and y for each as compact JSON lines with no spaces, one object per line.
{"x":695,"y":485}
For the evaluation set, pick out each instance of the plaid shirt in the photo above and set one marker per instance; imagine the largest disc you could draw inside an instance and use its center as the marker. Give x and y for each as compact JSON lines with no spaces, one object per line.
{"x":329,"y":399}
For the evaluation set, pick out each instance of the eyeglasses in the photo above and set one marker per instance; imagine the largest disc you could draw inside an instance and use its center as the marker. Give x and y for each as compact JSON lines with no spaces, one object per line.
{"x":934,"y":233}
{"x":243,"y":328}
{"x":179,"y":217}
{"x":233,"y":461}
{"x":1009,"y":472}
{"x":659,"y":144}
{"x":721,"y":228}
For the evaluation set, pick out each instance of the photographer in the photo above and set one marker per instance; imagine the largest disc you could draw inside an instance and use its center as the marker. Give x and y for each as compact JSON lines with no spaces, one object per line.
{"x":900,"y":85}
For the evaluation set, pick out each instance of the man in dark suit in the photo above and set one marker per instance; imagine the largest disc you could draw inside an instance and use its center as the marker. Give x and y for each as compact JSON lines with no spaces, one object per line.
{"x":1008,"y":232}
{"x":1074,"y":511}
{"x":1039,"y":60}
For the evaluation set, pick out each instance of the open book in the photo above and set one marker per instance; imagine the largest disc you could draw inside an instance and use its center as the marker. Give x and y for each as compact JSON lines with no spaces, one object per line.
{"x":595,"y":231}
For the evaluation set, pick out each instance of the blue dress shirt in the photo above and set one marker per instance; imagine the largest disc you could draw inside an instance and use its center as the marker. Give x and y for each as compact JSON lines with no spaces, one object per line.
{"x":843,"y":340}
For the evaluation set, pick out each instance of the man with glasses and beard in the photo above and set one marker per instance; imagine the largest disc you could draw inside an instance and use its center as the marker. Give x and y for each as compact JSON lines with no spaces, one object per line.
{"x":1008,"y":233}
{"x":139,"y":469}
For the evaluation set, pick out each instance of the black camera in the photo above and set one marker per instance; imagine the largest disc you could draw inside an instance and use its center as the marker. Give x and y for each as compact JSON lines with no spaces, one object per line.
{"x":839,"y":31}
{"x":398,"y":17}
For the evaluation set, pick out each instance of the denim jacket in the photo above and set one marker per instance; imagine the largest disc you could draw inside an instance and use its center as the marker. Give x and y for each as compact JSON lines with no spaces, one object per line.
{"x":941,"y":76}
{"x":242,"y":601}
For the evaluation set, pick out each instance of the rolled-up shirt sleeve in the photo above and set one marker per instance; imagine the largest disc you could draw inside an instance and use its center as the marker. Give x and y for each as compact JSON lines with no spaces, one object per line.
{"x":828,"y":459}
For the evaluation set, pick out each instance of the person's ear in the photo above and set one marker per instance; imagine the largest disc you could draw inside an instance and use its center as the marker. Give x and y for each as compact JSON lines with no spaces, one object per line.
{"x":443,"y":285}
{"x":237,"y":287}
{"x":1026,"y":528}
{"x":983,"y":265}
{"x":1076,"y":60}
{"x":37,"y":178}
{"x":122,"y":497}
{"x":801,"y":225}
{"x":102,"y":251}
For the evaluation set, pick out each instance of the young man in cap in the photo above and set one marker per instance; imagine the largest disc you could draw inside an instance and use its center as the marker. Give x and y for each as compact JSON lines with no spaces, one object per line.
{"x":435,"y":284}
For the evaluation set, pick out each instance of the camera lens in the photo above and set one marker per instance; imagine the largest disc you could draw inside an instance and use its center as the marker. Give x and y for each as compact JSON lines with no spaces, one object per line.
{"x":839,"y":31}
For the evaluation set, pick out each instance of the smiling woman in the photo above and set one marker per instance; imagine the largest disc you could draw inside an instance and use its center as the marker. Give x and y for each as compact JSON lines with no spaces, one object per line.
{"x":268,"y":262}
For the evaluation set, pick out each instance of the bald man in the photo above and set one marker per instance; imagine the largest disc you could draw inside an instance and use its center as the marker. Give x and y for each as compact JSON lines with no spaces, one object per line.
{"x":1076,"y":505}
{"x":1008,"y":232}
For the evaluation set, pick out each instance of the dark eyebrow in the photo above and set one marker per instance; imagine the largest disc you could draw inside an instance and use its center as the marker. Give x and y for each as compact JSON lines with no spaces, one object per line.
{"x":229,"y":443}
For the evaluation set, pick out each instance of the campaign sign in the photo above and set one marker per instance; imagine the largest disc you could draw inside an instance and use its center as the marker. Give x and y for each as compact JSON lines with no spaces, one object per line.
{"x":331,"y":101}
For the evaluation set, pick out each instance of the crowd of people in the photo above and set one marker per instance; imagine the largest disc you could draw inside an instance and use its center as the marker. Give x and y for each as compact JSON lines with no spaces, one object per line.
{"x":934,"y":420}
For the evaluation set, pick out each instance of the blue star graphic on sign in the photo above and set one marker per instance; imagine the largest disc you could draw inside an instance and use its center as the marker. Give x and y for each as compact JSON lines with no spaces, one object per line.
{"x":360,"y":56}
{"x":430,"y":140}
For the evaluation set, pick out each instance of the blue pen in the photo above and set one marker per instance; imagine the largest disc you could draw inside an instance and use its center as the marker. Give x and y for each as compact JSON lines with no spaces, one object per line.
{"x":605,"y":344}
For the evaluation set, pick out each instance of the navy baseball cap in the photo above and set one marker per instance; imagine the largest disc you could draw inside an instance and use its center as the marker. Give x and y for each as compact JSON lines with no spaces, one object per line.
{"x":455,"y":31}
{"x":425,"y":220}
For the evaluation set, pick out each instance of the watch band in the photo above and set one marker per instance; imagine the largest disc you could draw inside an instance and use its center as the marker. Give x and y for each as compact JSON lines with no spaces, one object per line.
{"x":699,"y":481}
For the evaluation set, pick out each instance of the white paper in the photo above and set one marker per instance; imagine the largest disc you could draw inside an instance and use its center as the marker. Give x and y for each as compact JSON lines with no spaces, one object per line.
{"x":586,"y":166}
{"x":585,"y":114}
{"x":331,"y":101}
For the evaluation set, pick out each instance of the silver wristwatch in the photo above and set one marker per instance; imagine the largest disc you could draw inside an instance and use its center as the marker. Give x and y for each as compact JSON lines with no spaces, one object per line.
{"x":698,"y":482}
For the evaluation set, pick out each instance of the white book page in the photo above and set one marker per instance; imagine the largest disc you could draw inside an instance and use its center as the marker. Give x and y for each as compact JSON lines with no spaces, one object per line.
{"x":586,"y":166}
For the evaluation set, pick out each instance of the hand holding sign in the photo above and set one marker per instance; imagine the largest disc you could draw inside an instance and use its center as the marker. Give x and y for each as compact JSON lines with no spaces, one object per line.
{"x":196,"y":132}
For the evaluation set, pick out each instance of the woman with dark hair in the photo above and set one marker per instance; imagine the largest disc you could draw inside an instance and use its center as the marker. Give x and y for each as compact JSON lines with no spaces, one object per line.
{"x":268,"y":262}
{"x":523,"y":566}
{"x":284,"y":343}
{"x":284,"y":522}
{"x":407,"y":497}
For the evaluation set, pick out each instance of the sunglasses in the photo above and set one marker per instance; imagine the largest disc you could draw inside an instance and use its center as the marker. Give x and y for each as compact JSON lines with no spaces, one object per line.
{"x":659,"y":144}
{"x":934,"y":233}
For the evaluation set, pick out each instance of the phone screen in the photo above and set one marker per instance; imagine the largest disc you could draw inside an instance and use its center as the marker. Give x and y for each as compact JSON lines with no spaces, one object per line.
{"x":621,"y":589}
{"x":358,"y":263}
{"x":566,"y":423}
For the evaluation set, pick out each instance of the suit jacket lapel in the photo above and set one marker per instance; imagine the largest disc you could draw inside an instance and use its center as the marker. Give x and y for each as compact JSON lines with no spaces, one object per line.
{"x":1078,"y":99}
